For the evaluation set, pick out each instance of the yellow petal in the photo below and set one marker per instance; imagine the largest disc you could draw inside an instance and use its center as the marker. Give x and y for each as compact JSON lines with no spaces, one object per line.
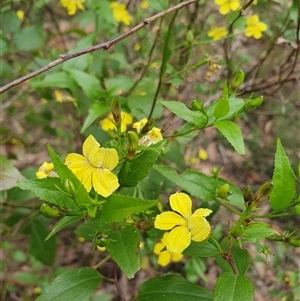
{"x":164,"y":258}
{"x":220,"y":2}
{"x":105,"y":158}
{"x":85,"y":177}
{"x":76,"y":162}
{"x":202,"y":212}
{"x":179,"y":239}
{"x":90,"y":147}
{"x":181,"y":203}
{"x":234,"y":5}
{"x":168,"y":220}
{"x":158,"y":247}
{"x":104,"y":182}
{"x":199,"y":227}
{"x":224,"y":9}
{"x":262,"y":26}
{"x":176,"y":257}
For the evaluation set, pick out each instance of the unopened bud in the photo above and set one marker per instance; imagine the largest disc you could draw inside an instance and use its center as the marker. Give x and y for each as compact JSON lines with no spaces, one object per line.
{"x":133,"y":142}
{"x":148,"y":126}
{"x":190,"y":37}
{"x":50,"y":211}
{"x":223,"y":191}
{"x":252,"y":104}
{"x":101,"y":242}
{"x":69,"y":187}
{"x":248,"y":196}
{"x":261,"y":194}
{"x":116,"y":110}
{"x":297,"y":209}
{"x":196,"y":105}
{"x":145,"y":225}
{"x":294,"y":241}
{"x":215,"y":171}
{"x":237,"y":81}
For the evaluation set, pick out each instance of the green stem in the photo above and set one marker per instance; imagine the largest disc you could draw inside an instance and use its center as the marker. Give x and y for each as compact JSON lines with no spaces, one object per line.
{"x":96,"y":266}
{"x":274,"y":215}
{"x":229,"y":207}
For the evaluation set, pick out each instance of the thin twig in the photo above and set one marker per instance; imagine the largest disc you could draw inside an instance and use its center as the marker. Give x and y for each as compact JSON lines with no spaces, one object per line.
{"x":105,"y":46}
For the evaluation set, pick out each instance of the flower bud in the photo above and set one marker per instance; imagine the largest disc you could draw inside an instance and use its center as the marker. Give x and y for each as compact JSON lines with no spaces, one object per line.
{"x":223,"y":191}
{"x":190,"y":37}
{"x":252,"y":104}
{"x":294,"y":241}
{"x":49,"y":210}
{"x":261,"y":194}
{"x":237,"y":81}
{"x":148,"y":126}
{"x":69,"y":187}
{"x":101,"y":242}
{"x":145,"y":225}
{"x":247,"y":194}
{"x":116,"y":110}
{"x":133,"y":142}
{"x":297,"y":209}
{"x":215,"y":171}
{"x":196,"y":105}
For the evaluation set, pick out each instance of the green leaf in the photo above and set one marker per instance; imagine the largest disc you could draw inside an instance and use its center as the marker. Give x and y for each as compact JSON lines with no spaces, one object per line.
{"x":88,"y":230}
{"x":42,"y":250}
{"x":222,"y":107}
{"x":294,"y":11}
{"x":241,"y":259}
{"x":201,"y":249}
{"x":96,"y":110}
{"x":179,"y":109}
{"x":58,"y":79}
{"x":64,"y":222}
{"x":256,"y":231}
{"x":233,"y":134}
{"x":159,"y":4}
{"x":172,"y":288}
{"x":29,"y":38}
{"x":118,"y":207}
{"x":9,"y":175}
{"x":50,"y":190}
{"x":137,"y":169}
{"x":230,"y":287}
{"x":82,"y":197}
{"x":118,"y":84}
{"x":283,"y":180}
{"x":76,"y":285}
{"x":89,"y":83}
{"x":123,"y":246}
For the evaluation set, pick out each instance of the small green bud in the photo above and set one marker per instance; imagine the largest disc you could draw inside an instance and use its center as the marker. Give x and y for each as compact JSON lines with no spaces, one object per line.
{"x":133,"y":142}
{"x":261,"y":194}
{"x":196,"y":105}
{"x":69,"y":187}
{"x":190,"y":37}
{"x":49,"y":210}
{"x":148,"y":126}
{"x":223,"y":191}
{"x":248,"y":196}
{"x":215,"y":171}
{"x":252,"y":104}
{"x":145,"y":225}
{"x":237,"y":81}
{"x":294,"y":241}
{"x":101,"y":242}
{"x":297,"y":209}
{"x":116,"y":110}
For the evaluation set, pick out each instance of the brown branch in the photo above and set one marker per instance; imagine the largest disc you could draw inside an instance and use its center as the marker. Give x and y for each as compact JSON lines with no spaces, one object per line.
{"x":105,"y":46}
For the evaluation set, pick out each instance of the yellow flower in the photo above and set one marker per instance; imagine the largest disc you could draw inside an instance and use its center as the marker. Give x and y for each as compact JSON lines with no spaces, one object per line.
{"x":227,"y":5}
{"x":93,"y":169}
{"x":165,"y":256}
{"x":108,"y":122}
{"x":62,"y":97}
{"x":120,"y":13}
{"x":218,"y":33}
{"x":254,"y":27}
{"x":72,"y":5}
{"x":184,"y":225}
{"x":144,"y":4}
{"x":46,"y":170}
{"x":140,"y":124}
{"x":152,"y":137}
{"x":20,"y":14}
{"x":202,"y":154}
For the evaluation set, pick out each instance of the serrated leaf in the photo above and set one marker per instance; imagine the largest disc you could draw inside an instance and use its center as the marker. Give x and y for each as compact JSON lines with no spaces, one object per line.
{"x":82,"y":197}
{"x":283,"y":180}
{"x":64,"y":222}
{"x":76,"y":285}
{"x":200,"y":249}
{"x":233,"y":134}
{"x":137,"y":169}
{"x":96,"y":110}
{"x":241,"y":259}
{"x":50,"y":190}
{"x":89,"y":83}
{"x":172,"y":288}
{"x":9,"y":175}
{"x":231,"y":287}
{"x":180,"y":110}
{"x":42,"y":250}
{"x":118,"y":207}
{"x":123,"y":247}
{"x":256,"y":231}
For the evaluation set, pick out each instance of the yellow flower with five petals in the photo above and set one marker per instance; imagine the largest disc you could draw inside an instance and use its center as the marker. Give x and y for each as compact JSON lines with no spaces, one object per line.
{"x":227,"y":5}
{"x":254,"y":27}
{"x":72,"y":5}
{"x":184,"y":225}
{"x":164,"y":255}
{"x":218,"y":33}
{"x":93,"y":169}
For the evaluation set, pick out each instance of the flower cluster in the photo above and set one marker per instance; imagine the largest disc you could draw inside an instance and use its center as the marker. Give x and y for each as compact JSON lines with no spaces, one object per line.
{"x":93,"y":169}
{"x":120,"y":14}
{"x":72,"y":5}
{"x":185,"y":226}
